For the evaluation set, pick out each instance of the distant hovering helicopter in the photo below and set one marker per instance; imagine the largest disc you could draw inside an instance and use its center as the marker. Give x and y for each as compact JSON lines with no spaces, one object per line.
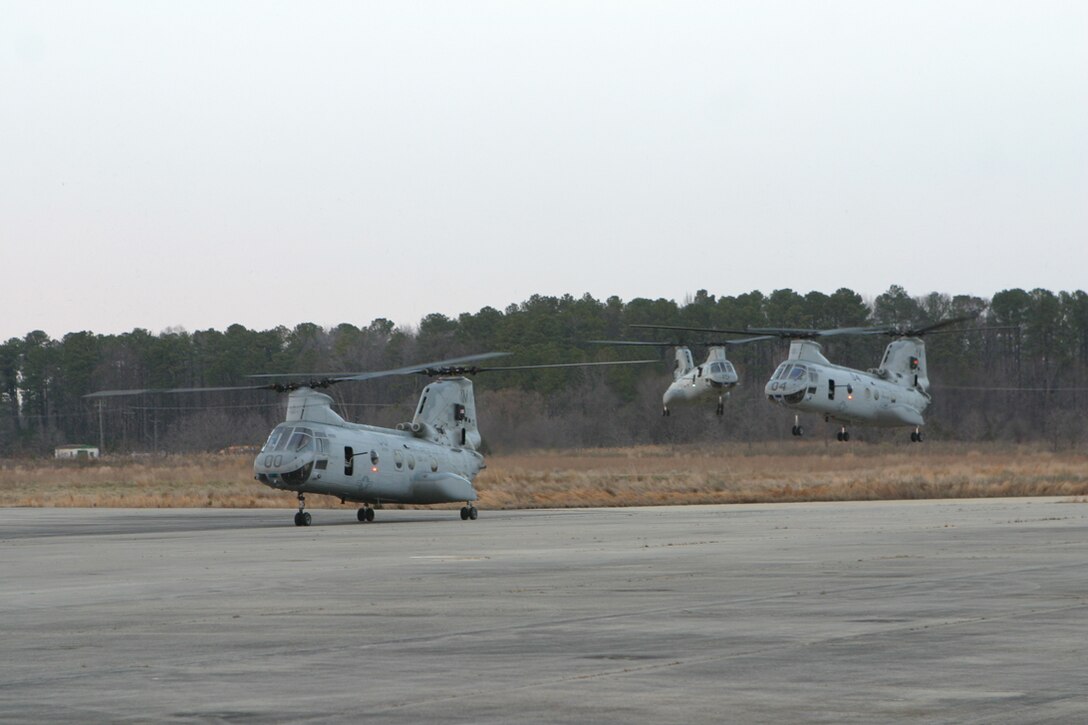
{"x":691,"y":383}
{"x":895,"y":394}
{"x":432,"y":459}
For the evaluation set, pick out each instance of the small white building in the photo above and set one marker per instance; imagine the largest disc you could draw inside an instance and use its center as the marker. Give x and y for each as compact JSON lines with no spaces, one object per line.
{"x":75,"y":452}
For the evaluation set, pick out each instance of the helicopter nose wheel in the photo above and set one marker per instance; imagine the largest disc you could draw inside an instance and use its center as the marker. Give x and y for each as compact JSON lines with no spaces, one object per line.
{"x":366,"y":514}
{"x":797,"y":429}
{"x":469,"y":512}
{"x":302,"y":518}
{"x":916,"y":436}
{"x":843,"y":435}
{"x":665,"y":411}
{"x":721,"y":407}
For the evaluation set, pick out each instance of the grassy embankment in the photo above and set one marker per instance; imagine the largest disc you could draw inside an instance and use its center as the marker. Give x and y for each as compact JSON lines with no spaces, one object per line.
{"x":731,"y":473}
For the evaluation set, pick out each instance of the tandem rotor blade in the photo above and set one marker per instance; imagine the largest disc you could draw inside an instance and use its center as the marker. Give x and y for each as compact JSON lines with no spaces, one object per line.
{"x":562,"y":365}
{"x":406,"y":370}
{"x":311,"y":380}
{"x":682,"y":328}
{"x":762,"y":333}
{"x":634,"y":343}
{"x":676,"y":343}
{"x":142,"y":391}
{"x":451,"y":366}
{"x":897,"y":331}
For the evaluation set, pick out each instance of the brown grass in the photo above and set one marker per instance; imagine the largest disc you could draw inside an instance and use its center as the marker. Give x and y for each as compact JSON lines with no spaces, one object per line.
{"x":643,"y":476}
{"x":778,"y":473}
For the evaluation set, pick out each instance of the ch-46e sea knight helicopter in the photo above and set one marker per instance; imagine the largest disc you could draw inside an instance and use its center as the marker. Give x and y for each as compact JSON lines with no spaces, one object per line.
{"x":432,"y":459}
{"x":713,"y":379}
{"x":892,"y":395}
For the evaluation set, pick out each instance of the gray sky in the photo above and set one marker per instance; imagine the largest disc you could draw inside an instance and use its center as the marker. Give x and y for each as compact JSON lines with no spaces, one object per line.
{"x":198,"y":164}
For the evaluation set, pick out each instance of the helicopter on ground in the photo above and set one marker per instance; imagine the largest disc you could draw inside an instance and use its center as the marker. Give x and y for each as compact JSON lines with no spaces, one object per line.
{"x":893,"y":395}
{"x":691,"y":383}
{"x":432,"y":459}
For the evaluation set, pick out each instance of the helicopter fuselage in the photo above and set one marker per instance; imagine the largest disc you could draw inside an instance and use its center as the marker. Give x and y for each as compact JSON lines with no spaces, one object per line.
{"x":846,"y":395}
{"x":698,"y":383}
{"x":691,"y":383}
{"x":366,"y":464}
{"x":809,"y":383}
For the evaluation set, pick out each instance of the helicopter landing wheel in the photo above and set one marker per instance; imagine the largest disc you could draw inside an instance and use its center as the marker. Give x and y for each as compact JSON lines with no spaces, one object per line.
{"x":798,"y":431}
{"x":665,"y":411}
{"x":366,"y":514}
{"x":843,"y":435}
{"x":302,"y":518}
{"x":916,"y":436}
{"x":473,"y":513}
{"x":464,"y":513}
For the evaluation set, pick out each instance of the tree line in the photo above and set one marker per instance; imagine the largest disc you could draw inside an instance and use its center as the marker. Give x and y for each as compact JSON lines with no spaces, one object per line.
{"x":1017,"y":372}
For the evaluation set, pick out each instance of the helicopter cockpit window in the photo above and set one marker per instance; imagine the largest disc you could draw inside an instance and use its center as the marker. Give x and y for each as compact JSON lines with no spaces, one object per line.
{"x":780,"y":372}
{"x":274,"y":438}
{"x":301,"y":440}
{"x":797,"y":372}
{"x":279,"y":439}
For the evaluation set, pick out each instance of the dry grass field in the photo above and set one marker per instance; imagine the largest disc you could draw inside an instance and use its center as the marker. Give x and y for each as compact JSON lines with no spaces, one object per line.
{"x":643,"y":476}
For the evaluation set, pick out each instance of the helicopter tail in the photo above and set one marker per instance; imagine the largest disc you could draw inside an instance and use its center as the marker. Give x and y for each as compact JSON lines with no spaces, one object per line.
{"x":904,"y":362}
{"x":447,"y":414}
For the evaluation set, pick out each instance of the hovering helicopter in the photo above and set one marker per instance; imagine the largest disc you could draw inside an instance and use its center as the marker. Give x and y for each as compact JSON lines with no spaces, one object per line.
{"x":715,"y":378}
{"x":432,"y":459}
{"x":892,"y":395}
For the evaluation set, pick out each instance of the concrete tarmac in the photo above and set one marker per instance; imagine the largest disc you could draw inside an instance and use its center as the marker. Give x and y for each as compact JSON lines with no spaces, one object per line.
{"x":922,"y":611}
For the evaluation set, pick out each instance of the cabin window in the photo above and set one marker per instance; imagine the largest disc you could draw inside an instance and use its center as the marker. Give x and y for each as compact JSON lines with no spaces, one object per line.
{"x":421,"y":404}
{"x":349,"y":460}
{"x":411,"y":462}
{"x":373,"y":458}
{"x":398,"y":460}
{"x":434,"y":464}
{"x":830,"y":389}
{"x":458,"y":412}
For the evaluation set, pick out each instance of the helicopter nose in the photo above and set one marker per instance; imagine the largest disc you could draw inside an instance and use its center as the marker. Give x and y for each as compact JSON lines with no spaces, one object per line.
{"x":785,"y":392}
{"x":292,"y":468}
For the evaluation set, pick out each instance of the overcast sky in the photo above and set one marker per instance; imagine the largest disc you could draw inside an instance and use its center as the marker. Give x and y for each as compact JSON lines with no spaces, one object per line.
{"x":198,"y":164}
